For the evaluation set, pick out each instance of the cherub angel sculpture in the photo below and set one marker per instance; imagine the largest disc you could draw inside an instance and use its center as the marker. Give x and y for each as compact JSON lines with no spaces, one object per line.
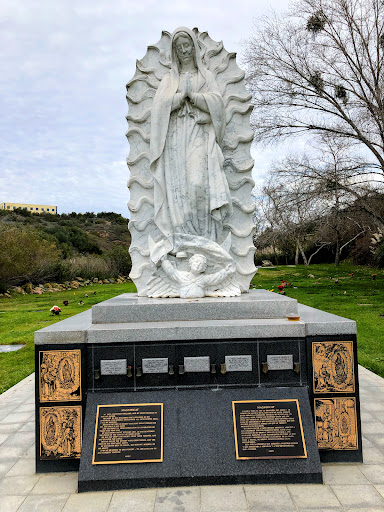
{"x":170,"y":281}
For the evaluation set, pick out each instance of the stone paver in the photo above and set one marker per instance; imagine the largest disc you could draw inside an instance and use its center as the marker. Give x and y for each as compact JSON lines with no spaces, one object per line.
{"x":343,"y":474}
{"x":176,"y":499}
{"x":373,"y":456}
{"x":223,"y":498}
{"x":15,"y":417}
{"x":22,"y":467}
{"x":18,"y":484}
{"x":358,"y":496}
{"x":347,"y":487}
{"x":46,"y":503}
{"x":269,"y":498}
{"x":374,"y":473}
{"x":314,"y":496}
{"x":56,"y":483}
{"x":88,"y":502}
{"x":141,"y":500}
{"x":6,"y":465}
{"x":11,"y":503}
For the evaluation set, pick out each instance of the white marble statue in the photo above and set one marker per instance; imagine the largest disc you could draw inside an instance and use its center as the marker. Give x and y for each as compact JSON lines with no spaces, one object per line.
{"x":191,"y":192}
{"x":189,"y":138}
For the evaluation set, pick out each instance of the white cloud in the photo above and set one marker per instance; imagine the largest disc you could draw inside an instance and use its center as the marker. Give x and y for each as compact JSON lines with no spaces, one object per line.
{"x":62,"y":90}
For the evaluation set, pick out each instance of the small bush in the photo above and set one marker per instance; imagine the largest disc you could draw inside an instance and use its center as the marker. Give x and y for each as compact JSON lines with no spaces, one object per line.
{"x":25,"y":256}
{"x":89,"y":266}
{"x":120,"y":260}
{"x":379,"y":255}
{"x":72,"y":236}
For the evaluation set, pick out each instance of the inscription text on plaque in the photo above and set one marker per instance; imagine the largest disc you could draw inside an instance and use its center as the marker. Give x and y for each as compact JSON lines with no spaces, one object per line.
{"x":241,"y":363}
{"x":127,"y":433}
{"x":155,"y":365}
{"x":268,"y":429}
{"x":280,"y":362}
{"x":113,"y":366}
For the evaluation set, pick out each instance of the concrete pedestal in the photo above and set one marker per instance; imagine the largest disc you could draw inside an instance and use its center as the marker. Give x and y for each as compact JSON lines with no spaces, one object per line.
{"x":316,"y":354}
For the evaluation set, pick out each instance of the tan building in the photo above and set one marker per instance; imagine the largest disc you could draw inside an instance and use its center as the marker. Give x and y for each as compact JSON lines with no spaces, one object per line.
{"x":33,"y":208}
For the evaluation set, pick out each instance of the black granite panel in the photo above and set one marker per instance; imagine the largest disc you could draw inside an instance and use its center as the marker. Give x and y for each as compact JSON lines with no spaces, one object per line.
{"x":56,"y":462}
{"x":199,"y":446}
{"x":296,"y":347}
{"x":337,"y":455}
{"x":154,"y":380}
{"x":102,"y":383}
{"x":197,"y":379}
{"x":238,"y":378}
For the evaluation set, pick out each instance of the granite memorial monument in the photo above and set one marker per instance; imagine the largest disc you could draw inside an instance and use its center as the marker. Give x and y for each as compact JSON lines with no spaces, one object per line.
{"x":194,"y":379}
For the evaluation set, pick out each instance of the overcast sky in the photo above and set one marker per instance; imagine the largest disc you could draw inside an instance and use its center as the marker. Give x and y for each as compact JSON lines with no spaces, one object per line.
{"x":64,"y":66}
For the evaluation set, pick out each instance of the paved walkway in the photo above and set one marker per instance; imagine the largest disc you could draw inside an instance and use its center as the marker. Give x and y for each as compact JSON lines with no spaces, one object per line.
{"x":347,"y":487}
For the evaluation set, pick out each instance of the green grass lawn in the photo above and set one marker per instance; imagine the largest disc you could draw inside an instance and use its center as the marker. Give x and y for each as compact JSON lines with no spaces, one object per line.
{"x":22,"y":315}
{"x":363,"y":301}
{"x":357,"y":297}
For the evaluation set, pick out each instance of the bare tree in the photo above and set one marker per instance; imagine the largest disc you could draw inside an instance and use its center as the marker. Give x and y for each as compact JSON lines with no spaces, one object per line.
{"x":338,"y":175}
{"x":320,"y":70}
{"x":291,"y":213}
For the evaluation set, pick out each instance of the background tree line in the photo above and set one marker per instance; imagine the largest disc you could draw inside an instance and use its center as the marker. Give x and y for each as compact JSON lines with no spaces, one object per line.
{"x":317,"y":73}
{"x":44,"y":247}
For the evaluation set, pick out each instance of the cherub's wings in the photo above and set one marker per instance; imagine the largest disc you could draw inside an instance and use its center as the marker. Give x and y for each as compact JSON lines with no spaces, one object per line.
{"x":227,"y":288}
{"x":160,"y":285}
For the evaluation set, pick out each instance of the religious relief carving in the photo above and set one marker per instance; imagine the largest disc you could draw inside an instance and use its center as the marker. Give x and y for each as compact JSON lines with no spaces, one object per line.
{"x":335,"y":422}
{"x":60,"y":375}
{"x":333,"y":367}
{"x":190,"y":165}
{"x":60,"y":432}
{"x":169,"y":280}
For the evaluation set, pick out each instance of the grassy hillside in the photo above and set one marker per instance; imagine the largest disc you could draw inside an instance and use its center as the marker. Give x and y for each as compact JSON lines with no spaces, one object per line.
{"x":40,"y":248}
{"x":74,"y":232}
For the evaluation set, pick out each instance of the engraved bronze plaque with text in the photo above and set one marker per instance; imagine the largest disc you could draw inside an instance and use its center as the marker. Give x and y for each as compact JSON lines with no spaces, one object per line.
{"x":60,"y":375}
{"x":60,"y":432}
{"x":333,"y":367}
{"x":336,"y":423}
{"x":268,"y":429}
{"x":127,"y":433}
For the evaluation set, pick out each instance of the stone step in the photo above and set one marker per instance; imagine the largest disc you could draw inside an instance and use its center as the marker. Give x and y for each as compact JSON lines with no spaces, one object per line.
{"x":195,"y":330}
{"x":129,"y":308}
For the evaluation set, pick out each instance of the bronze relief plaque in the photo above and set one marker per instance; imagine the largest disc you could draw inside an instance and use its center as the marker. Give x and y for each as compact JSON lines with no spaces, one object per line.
{"x":60,"y":375}
{"x":128,"y":433}
{"x":336,"y":423}
{"x":268,"y":429}
{"x":333,"y":367}
{"x":60,"y":432}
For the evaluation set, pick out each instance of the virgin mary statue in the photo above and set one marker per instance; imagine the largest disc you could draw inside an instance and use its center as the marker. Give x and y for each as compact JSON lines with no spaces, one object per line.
{"x":191,"y":193}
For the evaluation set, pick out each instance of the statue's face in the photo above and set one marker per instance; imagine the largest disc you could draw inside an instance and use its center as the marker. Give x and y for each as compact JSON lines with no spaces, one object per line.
{"x":184,"y":49}
{"x":197,"y":264}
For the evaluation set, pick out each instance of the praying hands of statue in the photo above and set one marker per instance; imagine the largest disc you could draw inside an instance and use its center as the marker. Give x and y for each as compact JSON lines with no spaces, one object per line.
{"x":187,"y":87}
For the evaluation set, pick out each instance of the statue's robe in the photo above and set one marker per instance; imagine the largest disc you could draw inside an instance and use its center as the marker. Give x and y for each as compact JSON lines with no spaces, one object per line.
{"x":191,"y":193}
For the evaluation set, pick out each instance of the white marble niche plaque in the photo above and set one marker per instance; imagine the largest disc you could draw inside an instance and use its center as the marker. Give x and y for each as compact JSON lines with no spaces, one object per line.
{"x":197,"y":364}
{"x":280,"y":362}
{"x":113,"y":366}
{"x":238,"y":363}
{"x":155,"y":365}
